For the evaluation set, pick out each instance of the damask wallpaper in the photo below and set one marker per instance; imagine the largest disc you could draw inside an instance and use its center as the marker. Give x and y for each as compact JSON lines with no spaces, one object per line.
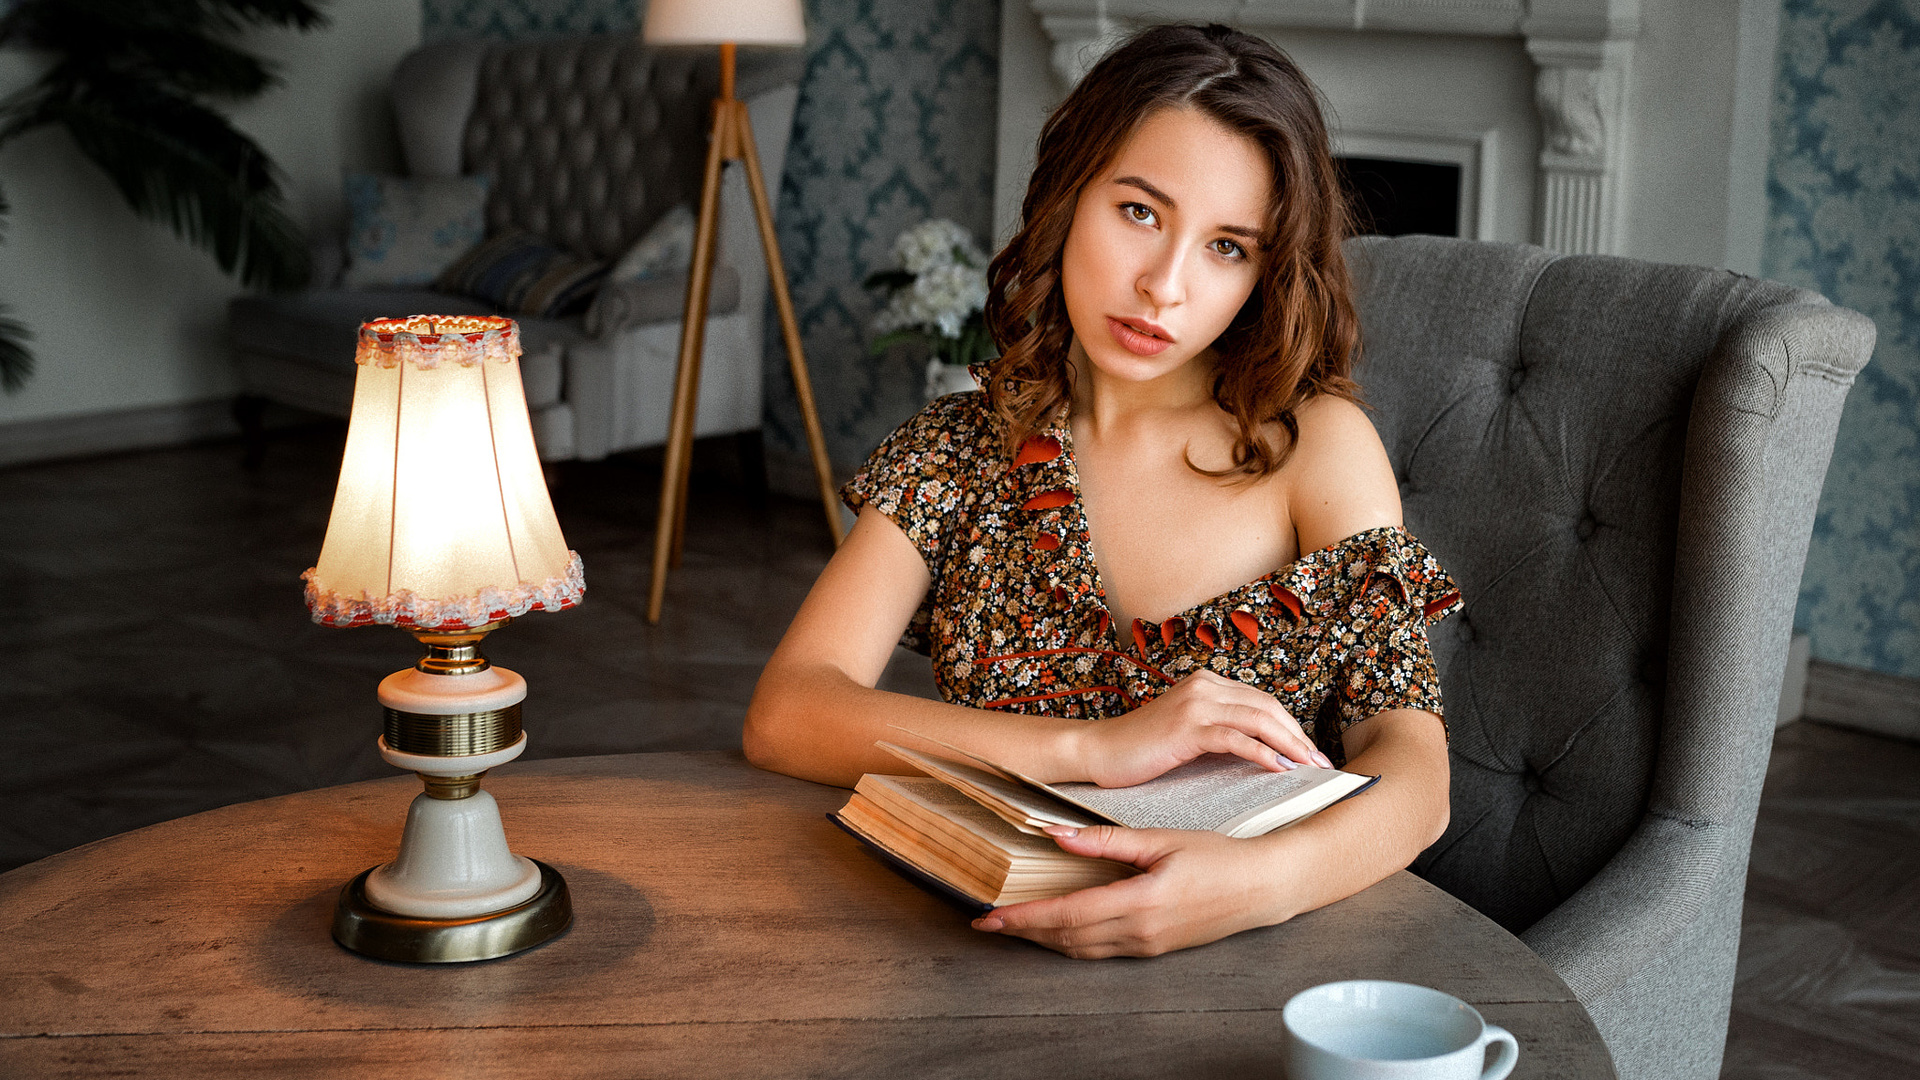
{"x":1844,"y":194}
{"x":895,"y":125}
{"x":519,"y":18}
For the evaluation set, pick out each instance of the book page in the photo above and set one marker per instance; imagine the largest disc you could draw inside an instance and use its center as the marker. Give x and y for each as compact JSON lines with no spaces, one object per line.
{"x":1219,"y":793}
{"x":1003,"y":772}
{"x":936,"y":798}
{"x":949,"y":836}
{"x":1024,"y":808}
{"x":1208,"y":793}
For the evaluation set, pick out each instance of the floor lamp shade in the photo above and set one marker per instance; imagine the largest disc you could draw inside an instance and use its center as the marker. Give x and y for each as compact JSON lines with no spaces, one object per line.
{"x":719,"y":22}
{"x":442,"y":519}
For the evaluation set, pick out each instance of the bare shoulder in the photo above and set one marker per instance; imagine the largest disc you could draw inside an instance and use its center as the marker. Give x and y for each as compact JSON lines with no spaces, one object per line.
{"x":1339,"y":481}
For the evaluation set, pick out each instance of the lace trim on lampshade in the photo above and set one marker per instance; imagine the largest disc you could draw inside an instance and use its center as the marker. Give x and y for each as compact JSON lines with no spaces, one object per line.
{"x":409,"y":611}
{"x":426,"y":340}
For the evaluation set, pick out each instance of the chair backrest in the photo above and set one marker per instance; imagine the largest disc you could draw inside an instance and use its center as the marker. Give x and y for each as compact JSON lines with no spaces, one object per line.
{"x":588,"y":139}
{"x":1567,"y":439}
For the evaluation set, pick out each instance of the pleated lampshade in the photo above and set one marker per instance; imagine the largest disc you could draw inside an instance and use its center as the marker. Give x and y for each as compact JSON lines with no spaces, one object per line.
{"x":442,"y":519}
{"x":719,"y":22}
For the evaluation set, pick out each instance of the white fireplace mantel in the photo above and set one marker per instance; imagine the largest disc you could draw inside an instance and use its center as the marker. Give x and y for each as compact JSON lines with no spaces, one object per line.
{"x":1582,"y":49}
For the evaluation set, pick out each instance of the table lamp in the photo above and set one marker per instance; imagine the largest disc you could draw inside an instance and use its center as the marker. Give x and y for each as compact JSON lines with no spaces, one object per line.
{"x":441,"y":526}
{"x":726,"y":23}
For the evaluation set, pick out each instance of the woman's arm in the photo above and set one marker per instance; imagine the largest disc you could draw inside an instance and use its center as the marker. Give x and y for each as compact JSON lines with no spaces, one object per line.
{"x":1201,"y":886}
{"x":816,"y":714}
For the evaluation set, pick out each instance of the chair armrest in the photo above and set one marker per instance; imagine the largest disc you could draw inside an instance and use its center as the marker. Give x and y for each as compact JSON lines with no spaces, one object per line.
{"x":1650,"y":898}
{"x":623,"y":304}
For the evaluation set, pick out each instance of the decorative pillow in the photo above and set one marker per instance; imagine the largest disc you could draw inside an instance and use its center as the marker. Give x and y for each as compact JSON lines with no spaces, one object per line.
{"x":403,"y":231}
{"x":523,"y":274}
{"x":665,"y":250}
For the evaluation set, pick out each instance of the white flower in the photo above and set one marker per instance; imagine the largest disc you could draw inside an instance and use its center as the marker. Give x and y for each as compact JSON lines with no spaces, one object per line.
{"x":936,"y":243}
{"x":940,"y":300}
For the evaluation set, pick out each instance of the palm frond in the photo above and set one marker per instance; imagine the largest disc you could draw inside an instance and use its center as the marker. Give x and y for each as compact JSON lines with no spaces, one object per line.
{"x":292,"y":14}
{"x":16,"y":361}
{"x":125,"y":86}
{"x":166,"y":54}
{"x":178,"y":162}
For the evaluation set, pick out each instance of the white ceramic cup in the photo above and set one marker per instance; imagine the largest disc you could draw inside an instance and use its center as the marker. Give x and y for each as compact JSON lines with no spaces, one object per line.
{"x":1373,"y":1030}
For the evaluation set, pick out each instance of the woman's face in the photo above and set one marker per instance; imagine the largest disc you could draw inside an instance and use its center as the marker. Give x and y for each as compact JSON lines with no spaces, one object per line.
{"x":1162,"y":252}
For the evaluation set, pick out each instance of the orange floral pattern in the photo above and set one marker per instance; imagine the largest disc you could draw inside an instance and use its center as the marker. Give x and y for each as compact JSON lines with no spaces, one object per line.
{"x":1016,"y":618}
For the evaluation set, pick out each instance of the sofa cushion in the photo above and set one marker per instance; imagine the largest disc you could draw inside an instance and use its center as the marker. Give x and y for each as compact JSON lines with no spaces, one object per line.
{"x":624,"y":304}
{"x":321,"y":328}
{"x":522,"y":274}
{"x":403,"y":231}
{"x":665,"y":249}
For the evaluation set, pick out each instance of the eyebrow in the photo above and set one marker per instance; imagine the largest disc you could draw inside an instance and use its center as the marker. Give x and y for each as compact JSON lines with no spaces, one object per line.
{"x":1145,"y":185}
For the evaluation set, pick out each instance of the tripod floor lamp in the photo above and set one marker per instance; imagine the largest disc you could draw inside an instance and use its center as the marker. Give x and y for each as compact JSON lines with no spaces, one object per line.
{"x":726,"y":23}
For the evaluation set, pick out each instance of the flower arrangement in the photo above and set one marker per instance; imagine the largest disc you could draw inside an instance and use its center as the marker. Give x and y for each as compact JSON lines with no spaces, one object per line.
{"x":938,"y":294}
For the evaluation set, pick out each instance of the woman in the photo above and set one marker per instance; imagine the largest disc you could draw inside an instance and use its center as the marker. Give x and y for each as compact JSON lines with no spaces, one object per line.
{"x":1167,"y":516}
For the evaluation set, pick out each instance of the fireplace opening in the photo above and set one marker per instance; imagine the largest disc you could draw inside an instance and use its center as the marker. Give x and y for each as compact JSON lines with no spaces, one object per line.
{"x":1395,"y":198}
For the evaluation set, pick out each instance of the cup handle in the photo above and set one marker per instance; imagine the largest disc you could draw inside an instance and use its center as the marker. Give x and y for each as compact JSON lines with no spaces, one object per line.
{"x":1509,"y":1054}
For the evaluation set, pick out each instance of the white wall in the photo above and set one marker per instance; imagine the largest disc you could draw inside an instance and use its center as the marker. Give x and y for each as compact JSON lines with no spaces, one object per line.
{"x":126,"y":317}
{"x":1680,"y":116}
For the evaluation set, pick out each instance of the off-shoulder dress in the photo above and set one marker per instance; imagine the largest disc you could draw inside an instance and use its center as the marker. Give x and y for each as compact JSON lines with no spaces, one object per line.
{"x":1016,"y":618}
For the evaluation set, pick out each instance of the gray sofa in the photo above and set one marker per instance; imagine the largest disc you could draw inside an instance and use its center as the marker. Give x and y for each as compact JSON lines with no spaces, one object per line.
{"x":589,"y":140}
{"x":1619,"y":462}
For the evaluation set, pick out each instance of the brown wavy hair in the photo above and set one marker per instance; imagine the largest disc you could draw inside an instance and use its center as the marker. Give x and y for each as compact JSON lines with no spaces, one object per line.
{"x":1295,"y":338}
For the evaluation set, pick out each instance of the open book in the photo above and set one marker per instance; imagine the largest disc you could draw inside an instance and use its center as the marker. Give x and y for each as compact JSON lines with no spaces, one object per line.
{"x":974,"y":831}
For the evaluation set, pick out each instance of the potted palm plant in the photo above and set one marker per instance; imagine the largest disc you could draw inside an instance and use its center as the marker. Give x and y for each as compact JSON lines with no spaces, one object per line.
{"x":134,"y":83}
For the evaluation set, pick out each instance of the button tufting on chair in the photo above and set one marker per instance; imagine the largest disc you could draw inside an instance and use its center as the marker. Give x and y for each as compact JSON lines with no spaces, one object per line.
{"x":1628,"y":878}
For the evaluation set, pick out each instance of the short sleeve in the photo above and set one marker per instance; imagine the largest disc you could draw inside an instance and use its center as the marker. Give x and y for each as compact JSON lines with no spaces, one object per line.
{"x":1389,"y":665}
{"x":922,"y":478}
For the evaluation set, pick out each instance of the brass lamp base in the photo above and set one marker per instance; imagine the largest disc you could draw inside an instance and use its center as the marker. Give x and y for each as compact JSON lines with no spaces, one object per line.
{"x":368,"y":930}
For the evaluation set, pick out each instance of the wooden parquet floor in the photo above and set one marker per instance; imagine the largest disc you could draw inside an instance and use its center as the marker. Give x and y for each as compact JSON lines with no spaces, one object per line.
{"x":1829,"y":978}
{"x":155,"y":661}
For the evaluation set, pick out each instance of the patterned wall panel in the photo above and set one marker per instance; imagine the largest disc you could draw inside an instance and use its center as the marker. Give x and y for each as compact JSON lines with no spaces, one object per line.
{"x":1844,"y":194}
{"x":895,"y":125}
{"x":520,"y":18}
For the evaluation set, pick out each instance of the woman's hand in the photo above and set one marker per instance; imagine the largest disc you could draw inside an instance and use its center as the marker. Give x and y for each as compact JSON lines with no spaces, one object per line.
{"x":1204,"y":713}
{"x":1198,"y":887}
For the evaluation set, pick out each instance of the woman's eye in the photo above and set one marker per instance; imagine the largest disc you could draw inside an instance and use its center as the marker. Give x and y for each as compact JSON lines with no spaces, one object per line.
{"x":1227,"y":249}
{"x":1139,"y":213}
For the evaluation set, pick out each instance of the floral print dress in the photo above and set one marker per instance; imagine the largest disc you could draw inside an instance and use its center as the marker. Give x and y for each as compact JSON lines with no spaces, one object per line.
{"x":1016,"y":618}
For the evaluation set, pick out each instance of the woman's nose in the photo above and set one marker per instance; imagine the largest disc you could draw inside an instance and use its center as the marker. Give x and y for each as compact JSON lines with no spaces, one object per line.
{"x":1160,"y":282}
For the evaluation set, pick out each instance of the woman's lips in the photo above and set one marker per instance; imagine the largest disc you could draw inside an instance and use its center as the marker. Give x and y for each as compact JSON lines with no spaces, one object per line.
{"x":1135,"y":340}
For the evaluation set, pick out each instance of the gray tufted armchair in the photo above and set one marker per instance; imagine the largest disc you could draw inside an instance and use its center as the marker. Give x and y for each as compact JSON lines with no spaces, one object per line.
{"x":1619,"y":463}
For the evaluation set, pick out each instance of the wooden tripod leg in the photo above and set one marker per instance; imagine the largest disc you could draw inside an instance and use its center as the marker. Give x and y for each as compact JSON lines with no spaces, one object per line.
{"x":789,"y":326}
{"x":686,"y":383}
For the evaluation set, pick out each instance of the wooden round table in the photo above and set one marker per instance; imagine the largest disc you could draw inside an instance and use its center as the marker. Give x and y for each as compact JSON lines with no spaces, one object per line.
{"x":723,"y":927}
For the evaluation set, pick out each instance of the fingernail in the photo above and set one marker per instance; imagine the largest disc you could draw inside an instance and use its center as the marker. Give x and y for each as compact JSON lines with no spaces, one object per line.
{"x":988,"y":922}
{"x":1322,"y":760}
{"x":1285,"y":762}
{"x":1061,"y":830}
